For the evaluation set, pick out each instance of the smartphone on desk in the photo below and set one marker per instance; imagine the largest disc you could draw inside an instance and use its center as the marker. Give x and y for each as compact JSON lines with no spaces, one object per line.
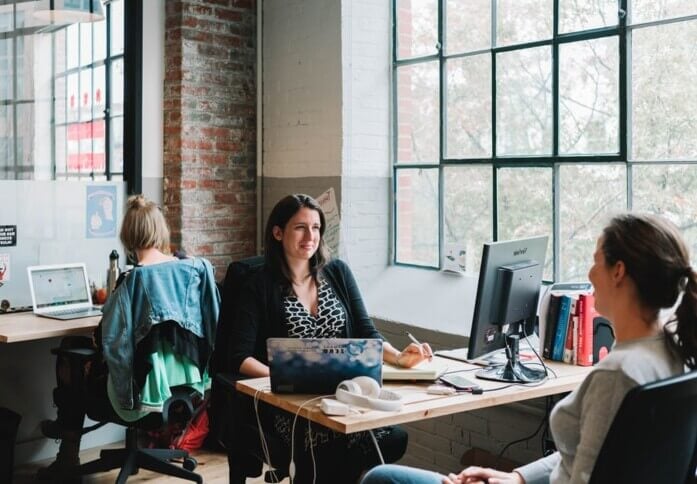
{"x":459,"y":382}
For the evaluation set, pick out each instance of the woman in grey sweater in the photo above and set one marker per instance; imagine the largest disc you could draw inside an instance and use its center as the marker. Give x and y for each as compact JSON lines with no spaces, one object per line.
{"x":641,"y":265}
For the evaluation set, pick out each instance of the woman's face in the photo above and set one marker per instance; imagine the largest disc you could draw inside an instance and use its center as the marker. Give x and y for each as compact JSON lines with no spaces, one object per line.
{"x":600,"y":276}
{"x":300,"y":237}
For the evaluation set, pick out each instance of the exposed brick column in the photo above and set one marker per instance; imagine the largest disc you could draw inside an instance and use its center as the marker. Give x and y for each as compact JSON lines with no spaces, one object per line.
{"x":210,"y":128}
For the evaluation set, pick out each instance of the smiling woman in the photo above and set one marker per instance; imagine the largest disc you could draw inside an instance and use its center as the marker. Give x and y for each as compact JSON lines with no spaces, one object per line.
{"x":301,"y":293}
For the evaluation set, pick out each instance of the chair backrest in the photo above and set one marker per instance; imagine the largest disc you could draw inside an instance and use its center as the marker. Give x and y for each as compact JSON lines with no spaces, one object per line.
{"x":237,"y":274}
{"x":653,"y":437}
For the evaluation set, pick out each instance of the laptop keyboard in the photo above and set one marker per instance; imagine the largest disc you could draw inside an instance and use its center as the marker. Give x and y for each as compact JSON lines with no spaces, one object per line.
{"x":67,"y":312}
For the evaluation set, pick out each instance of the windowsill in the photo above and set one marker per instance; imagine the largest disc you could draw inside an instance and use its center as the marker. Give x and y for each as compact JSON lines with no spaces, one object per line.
{"x":434,"y":300}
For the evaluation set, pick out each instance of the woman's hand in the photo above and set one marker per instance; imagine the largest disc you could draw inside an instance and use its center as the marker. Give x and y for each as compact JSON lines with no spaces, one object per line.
{"x":474,"y":474}
{"x":414,"y":354}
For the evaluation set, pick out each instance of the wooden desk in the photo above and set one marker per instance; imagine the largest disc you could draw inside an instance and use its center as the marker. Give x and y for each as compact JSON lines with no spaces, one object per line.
{"x":26,"y":327}
{"x":418,"y":404}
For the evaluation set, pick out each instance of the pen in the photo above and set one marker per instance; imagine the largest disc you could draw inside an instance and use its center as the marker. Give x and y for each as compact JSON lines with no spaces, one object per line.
{"x":411,"y":337}
{"x":416,"y":341}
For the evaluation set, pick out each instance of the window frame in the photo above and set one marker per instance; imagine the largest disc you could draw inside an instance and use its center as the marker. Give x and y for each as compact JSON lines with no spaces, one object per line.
{"x":622,"y":31}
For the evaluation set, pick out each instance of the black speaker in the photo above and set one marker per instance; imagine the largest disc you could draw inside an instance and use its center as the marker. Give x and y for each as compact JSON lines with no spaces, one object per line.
{"x":603,"y":338}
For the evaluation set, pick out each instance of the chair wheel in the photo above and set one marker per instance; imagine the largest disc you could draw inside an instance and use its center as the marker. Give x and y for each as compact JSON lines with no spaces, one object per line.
{"x":189,"y":463}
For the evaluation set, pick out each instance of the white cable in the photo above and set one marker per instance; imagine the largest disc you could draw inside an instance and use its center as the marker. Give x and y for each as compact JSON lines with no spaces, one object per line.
{"x":312,"y":452}
{"x":291,"y":466}
{"x":264,"y":445}
{"x":377,"y":447}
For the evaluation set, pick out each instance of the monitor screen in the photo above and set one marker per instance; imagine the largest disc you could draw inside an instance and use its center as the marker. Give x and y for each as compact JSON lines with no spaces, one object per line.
{"x":498,"y":297}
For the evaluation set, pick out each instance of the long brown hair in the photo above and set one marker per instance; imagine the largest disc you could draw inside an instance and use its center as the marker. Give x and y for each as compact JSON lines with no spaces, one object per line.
{"x":282,"y":212}
{"x":658,"y":261}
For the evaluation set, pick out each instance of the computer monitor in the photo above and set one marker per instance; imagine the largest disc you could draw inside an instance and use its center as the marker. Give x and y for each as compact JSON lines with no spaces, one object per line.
{"x":508,"y":291}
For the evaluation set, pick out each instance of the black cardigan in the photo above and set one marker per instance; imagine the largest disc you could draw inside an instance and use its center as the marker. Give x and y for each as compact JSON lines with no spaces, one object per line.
{"x":259,"y":315}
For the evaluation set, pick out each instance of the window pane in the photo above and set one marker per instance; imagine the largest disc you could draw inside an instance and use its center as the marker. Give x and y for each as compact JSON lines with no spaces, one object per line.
{"x":467,"y":210}
{"x":523,"y":21}
{"x":6,"y":72}
{"x":73,"y":97}
{"x":72,"y":46}
{"x":116,"y":144}
{"x":116,"y":14}
{"x":468,"y":29}
{"x":588,"y":195}
{"x":468,"y":106}
{"x":417,"y":113}
{"x":525,"y":206}
{"x":417,"y":28}
{"x":98,"y":90}
{"x":7,"y":18}
{"x":648,"y":10}
{"x":85,"y":44}
{"x":116,"y":107}
{"x":575,"y":15}
{"x":524,"y":102}
{"x":417,"y":217}
{"x":7,"y":156}
{"x":60,"y":150}
{"x":668,"y":190}
{"x":99,"y":32}
{"x":664,"y":92}
{"x":85,"y":99}
{"x":589,"y":97}
{"x":26,"y":139}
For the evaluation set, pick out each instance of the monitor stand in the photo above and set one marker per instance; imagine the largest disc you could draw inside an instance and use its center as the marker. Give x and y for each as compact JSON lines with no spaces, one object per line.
{"x":513,"y":371}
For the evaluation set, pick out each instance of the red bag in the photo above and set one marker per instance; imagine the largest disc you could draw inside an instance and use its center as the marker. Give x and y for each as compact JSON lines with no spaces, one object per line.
{"x":195,"y":431}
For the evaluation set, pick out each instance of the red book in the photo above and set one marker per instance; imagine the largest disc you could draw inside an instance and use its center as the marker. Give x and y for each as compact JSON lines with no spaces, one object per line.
{"x":587,"y":313}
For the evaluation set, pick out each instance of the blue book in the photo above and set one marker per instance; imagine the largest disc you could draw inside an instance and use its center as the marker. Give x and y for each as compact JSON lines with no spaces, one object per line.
{"x":562,"y":324}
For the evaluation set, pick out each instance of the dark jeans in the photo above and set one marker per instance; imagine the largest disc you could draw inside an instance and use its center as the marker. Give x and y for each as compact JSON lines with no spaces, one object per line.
{"x":338,"y":458}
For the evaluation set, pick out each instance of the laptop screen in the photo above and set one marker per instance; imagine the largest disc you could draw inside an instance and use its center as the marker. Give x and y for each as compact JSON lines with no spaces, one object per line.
{"x":59,"y":286}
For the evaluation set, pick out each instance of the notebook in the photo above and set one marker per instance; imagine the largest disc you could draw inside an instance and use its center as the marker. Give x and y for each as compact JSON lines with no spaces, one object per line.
{"x":318,"y":365}
{"x":424,"y":371}
{"x":61,"y":291}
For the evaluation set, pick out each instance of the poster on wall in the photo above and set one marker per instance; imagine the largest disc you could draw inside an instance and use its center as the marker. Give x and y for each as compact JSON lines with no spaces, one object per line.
{"x":4,"y":268}
{"x":8,"y":235}
{"x":327,"y":201}
{"x":100,"y":216}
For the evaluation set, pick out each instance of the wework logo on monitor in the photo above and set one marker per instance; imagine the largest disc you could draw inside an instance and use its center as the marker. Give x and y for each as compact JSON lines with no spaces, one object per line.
{"x":520,"y":251}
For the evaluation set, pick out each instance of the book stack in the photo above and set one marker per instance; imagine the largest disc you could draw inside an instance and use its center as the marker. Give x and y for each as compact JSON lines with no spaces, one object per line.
{"x":566,"y":323}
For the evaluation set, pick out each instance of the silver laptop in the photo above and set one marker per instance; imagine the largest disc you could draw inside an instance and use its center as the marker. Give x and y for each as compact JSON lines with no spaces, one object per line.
{"x":61,"y":291}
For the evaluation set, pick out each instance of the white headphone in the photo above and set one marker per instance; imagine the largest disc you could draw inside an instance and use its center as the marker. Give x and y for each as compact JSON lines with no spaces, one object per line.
{"x":364,"y":391}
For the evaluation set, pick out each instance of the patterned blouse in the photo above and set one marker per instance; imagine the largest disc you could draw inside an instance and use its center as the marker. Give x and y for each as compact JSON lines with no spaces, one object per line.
{"x":330,"y":321}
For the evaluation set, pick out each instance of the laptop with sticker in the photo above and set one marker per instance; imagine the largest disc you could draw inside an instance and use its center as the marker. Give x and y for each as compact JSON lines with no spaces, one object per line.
{"x":318,"y":365}
{"x":61,"y":291}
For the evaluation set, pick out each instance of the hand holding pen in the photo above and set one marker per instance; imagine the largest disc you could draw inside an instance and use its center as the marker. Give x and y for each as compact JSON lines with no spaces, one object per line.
{"x":415,"y":353}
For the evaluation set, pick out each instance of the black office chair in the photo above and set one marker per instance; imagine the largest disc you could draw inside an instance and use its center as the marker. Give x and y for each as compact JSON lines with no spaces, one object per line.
{"x":233,"y":421}
{"x":131,"y":458}
{"x":654,"y":435}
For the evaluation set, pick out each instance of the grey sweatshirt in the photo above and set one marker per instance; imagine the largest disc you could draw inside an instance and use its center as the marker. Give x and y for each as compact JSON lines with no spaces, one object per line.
{"x":581,"y":420}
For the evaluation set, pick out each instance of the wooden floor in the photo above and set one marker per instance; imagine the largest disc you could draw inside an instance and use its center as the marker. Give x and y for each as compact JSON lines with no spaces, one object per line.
{"x":212,"y":466}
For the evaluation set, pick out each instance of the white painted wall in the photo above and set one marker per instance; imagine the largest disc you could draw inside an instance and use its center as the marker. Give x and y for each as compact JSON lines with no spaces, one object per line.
{"x":302,"y":88}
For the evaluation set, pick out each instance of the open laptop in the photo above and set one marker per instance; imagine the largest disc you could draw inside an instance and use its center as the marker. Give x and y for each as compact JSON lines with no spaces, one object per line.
{"x":61,"y":291}
{"x":318,"y":365}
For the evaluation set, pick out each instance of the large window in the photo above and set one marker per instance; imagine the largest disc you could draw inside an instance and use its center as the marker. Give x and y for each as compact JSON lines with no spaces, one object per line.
{"x":515,"y":118}
{"x":61,"y":95}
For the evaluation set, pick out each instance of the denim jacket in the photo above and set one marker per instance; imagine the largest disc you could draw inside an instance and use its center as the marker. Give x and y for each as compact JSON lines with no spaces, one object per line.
{"x":182,"y":291}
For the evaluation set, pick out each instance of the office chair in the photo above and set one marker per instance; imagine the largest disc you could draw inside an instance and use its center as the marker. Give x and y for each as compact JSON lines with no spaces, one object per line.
{"x":131,"y":458}
{"x":654,"y":435}
{"x":233,"y":420}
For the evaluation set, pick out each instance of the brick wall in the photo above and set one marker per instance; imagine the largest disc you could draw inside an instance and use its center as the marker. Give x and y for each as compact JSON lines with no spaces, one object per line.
{"x":209,"y":105}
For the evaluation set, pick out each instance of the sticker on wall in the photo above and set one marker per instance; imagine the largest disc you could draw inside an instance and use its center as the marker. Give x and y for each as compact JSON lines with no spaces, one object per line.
{"x":100,"y":217}
{"x":8,"y":235}
{"x":327,"y":201}
{"x":4,"y":268}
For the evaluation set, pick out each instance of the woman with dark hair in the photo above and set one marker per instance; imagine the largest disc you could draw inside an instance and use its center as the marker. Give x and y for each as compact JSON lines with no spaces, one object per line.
{"x":641,"y":266}
{"x":301,"y":293}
